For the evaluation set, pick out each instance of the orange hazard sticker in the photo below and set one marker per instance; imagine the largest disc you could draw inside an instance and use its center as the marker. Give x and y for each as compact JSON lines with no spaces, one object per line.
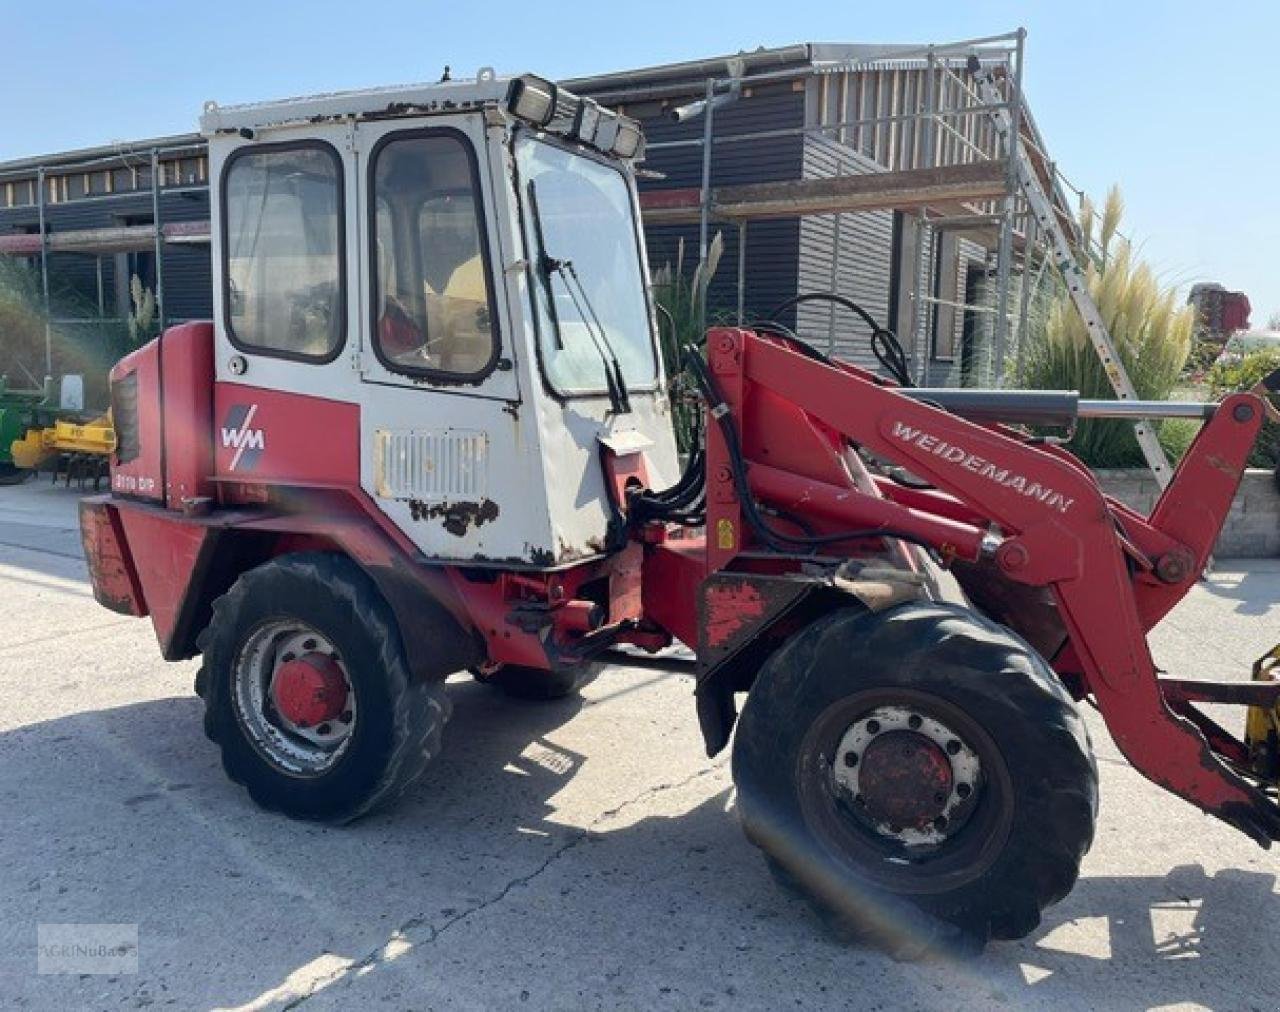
{"x":724,"y":535}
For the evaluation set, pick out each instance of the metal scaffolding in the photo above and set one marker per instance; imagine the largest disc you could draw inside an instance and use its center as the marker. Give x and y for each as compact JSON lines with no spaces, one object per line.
{"x":956,"y":184}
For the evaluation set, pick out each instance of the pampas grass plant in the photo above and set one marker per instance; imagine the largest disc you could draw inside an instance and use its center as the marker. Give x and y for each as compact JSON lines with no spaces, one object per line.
{"x":87,"y":349}
{"x":1151,"y":332}
{"x":682,"y":301}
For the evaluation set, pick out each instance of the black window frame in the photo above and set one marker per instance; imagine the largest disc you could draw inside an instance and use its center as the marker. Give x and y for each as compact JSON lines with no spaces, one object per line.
{"x":309,"y":143}
{"x":441,"y":377}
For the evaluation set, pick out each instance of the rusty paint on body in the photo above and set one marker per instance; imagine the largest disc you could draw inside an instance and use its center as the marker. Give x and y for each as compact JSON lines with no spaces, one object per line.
{"x":459,"y":517}
{"x":115,"y":582}
{"x":730,"y":607}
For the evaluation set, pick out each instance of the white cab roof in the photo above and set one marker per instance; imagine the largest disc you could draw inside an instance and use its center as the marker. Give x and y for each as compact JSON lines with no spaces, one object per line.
{"x":398,"y":100}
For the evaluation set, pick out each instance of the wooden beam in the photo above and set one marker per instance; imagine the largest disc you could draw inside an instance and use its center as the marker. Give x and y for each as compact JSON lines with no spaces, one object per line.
{"x":118,"y":239}
{"x":909,"y":189}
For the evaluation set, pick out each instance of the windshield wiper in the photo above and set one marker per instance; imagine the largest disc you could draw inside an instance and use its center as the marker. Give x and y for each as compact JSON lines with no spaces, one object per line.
{"x":615,"y":382}
{"x":603,"y":344}
{"x":545,"y":263}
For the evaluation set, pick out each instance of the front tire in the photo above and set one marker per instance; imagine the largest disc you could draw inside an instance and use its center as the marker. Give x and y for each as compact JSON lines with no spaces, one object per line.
{"x":920,"y":774}
{"x":308,"y":694}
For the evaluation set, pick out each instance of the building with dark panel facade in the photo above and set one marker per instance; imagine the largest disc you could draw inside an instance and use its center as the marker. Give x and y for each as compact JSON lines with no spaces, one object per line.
{"x":99,"y":213}
{"x":870,"y":171}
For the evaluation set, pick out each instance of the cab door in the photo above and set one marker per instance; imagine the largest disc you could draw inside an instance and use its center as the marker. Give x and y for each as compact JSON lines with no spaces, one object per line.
{"x":447,"y":454}
{"x":434,"y":312}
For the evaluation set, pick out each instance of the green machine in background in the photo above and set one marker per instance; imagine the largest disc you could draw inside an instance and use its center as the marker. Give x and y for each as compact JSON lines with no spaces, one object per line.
{"x":48,"y":428}
{"x":21,"y":409}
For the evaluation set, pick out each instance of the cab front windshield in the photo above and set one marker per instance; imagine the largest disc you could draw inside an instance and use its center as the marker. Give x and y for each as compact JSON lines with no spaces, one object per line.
{"x":588,"y":282}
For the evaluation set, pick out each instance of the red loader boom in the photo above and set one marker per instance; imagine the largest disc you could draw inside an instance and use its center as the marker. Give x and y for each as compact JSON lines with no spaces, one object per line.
{"x":1113,"y":574}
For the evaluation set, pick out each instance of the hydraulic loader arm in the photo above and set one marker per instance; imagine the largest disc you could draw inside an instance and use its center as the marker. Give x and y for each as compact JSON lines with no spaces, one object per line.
{"x":1058,"y":532}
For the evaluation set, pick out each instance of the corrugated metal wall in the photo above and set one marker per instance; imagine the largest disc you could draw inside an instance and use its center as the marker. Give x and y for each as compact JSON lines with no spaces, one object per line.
{"x":850,"y":254}
{"x":772,"y":246}
{"x":187,"y":278}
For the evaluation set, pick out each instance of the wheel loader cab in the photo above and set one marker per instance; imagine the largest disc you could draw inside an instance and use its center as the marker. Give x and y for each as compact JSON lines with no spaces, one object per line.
{"x":438,"y":294}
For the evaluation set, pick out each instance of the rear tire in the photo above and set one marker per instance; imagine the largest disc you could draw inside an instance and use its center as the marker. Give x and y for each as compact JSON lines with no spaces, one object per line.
{"x":920,"y":774}
{"x":390,"y":725}
{"x":521,"y":682}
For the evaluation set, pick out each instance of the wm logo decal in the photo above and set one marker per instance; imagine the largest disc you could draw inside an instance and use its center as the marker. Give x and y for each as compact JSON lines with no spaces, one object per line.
{"x":238,"y":434}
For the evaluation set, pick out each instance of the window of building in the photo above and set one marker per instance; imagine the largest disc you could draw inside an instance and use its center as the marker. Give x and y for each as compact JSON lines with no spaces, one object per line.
{"x":946,"y":289}
{"x":282,"y":246}
{"x":432,"y":305}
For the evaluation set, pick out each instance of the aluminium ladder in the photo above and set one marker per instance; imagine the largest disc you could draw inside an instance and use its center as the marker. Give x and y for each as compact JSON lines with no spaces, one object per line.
{"x":1074,"y":277}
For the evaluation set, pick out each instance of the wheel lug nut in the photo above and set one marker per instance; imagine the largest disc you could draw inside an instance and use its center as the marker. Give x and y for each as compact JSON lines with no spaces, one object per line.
{"x":914,"y":721}
{"x":964,"y":790}
{"x":873,"y":727}
{"x":851,"y":759}
{"x":953,"y":747}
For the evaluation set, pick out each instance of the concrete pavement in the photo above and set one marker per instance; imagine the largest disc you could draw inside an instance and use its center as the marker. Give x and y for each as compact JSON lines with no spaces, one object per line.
{"x":581,"y":854}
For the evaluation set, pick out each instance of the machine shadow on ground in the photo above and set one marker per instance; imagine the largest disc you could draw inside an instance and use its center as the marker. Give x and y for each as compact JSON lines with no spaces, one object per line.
{"x":476,"y":860}
{"x":1253,"y":588}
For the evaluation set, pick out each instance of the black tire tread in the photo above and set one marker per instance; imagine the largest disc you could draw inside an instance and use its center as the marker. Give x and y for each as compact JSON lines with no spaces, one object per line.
{"x":1042,"y":859}
{"x":421,"y":708}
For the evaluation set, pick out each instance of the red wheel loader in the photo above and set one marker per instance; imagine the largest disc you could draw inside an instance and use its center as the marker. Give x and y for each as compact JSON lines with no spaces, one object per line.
{"x":428,"y":431}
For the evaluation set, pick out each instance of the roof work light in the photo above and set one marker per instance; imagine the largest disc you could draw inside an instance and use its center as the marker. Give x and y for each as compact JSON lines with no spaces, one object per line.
{"x":545,"y":104}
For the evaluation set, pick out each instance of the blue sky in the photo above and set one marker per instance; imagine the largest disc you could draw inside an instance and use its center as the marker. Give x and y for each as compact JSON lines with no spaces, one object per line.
{"x":1174,"y":101}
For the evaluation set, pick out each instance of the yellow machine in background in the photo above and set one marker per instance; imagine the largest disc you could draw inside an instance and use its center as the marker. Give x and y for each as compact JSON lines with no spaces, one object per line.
{"x":1262,"y":730}
{"x":86,"y":447}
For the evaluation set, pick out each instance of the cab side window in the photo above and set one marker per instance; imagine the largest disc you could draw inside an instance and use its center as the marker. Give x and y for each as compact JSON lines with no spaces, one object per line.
{"x":283,"y":249}
{"x":432,"y":305}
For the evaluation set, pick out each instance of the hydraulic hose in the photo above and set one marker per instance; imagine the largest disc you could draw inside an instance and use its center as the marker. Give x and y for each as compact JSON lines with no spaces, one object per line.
{"x":884,"y":342}
{"x":774,"y":539}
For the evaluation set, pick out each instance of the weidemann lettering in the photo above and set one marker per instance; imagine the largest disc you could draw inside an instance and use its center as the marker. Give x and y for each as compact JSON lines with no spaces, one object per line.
{"x":982,"y":468}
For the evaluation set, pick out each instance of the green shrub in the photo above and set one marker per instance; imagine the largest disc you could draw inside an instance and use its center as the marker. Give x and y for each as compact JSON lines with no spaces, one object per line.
{"x":21,"y":324}
{"x":90,"y":349}
{"x":1176,"y":436}
{"x":681,"y":299}
{"x":1203,"y":354}
{"x":1151,"y":333}
{"x":1230,"y":377}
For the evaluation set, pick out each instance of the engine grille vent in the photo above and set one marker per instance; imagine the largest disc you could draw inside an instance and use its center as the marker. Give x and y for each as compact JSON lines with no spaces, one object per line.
{"x":441,"y":465}
{"x":124,"y":417}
